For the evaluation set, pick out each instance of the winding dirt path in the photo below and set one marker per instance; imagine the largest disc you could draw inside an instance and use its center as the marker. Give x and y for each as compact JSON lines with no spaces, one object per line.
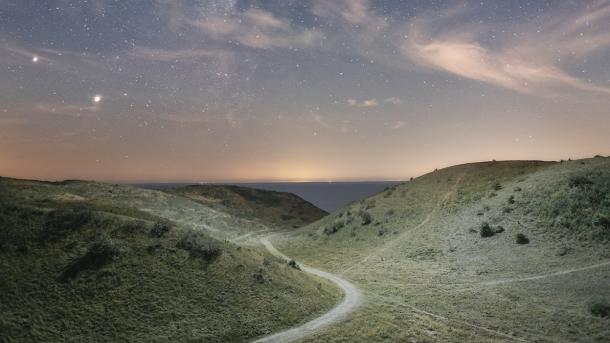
{"x":351,"y":301}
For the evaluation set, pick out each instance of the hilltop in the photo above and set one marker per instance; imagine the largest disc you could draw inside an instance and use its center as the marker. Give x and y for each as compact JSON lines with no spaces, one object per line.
{"x":86,"y":261}
{"x":276,"y":209}
{"x":491,"y":251}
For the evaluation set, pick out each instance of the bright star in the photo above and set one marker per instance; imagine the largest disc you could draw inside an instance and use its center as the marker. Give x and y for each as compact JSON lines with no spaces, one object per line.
{"x":97,"y":99}
{"x":35,"y":59}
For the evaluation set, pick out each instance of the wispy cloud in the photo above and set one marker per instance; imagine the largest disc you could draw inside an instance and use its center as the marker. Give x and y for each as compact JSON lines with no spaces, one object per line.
{"x":257,"y":29}
{"x":163,"y":55}
{"x":531,"y":64}
{"x":354,"y":12}
{"x":392,"y":100}
{"x":363,"y":104}
{"x":397,"y":125}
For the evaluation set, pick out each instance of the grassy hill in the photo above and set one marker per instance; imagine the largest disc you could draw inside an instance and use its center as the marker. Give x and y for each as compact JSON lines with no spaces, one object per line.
{"x":86,"y":261}
{"x":276,"y":209}
{"x":492,"y":251}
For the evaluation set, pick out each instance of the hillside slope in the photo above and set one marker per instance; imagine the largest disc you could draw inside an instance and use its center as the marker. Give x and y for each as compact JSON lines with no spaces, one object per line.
{"x":493,"y":251}
{"x":82,"y":262}
{"x":277,"y":209}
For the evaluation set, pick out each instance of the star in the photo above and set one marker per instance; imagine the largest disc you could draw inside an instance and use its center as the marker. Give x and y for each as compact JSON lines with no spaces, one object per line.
{"x":35,"y":59}
{"x":97,"y":99}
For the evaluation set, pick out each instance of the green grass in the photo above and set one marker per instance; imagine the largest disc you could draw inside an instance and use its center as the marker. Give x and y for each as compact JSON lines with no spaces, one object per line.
{"x":79,"y":264}
{"x":275,"y":209}
{"x":431,"y":276}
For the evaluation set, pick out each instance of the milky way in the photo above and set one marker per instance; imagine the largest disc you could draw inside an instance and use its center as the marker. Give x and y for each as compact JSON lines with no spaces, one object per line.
{"x":297,"y":90}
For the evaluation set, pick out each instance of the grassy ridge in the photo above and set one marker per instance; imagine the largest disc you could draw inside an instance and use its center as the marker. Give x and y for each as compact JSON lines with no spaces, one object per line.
{"x":479,"y":252}
{"x":80,"y":265}
{"x":277,"y":209}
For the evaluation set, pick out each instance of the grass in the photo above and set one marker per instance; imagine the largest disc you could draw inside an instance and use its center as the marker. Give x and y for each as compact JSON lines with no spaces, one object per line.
{"x":276,"y":209}
{"x":84,"y":262}
{"x":427,"y":278}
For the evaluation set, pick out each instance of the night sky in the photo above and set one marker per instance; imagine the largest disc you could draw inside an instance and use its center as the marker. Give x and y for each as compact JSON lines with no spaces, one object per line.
{"x":297,"y":90}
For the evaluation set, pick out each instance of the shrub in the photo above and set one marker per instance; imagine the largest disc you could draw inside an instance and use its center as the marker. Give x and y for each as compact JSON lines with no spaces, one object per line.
{"x":334,"y":228}
{"x":366,"y":218}
{"x":600,"y":308}
{"x":511,"y":199}
{"x":390,"y":212}
{"x":499,"y":229}
{"x":522,"y":239}
{"x":159,"y":230}
{"x":103,"y":251}
{"x":200,"y":246}
{"x":603,"y":221}
{"x":486,"y":230}
{"x":293,"y":264}
{"x":497,"y":186}
{"x":517,"y":189}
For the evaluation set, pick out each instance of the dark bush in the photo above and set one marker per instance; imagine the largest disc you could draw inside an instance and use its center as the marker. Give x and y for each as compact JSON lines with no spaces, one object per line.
{"x":511,"y":199}
{"x":366,"y":218}
{"x":159,"y":230}
{"x":600,"y":309}
{"x":103,"y":251}
{"x":497,"y":186}
{"x":200,"y":246}
{"x":486,"y":230}
{"x":522,"y":239}
{"x":293,"y":264}
{"x":603,"y":221}
{"x":517,"y":189}
{"x":499,"y":229}
{"x":258,"y":277}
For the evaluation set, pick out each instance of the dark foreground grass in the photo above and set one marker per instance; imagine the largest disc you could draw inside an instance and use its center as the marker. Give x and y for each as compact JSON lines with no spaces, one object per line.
{"x":87,"y":271}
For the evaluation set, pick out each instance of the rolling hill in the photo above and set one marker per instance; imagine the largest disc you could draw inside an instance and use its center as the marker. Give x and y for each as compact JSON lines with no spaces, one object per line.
{"x":492,"y":251}
{"x":276,"y":209}
{"x":93,"y":262}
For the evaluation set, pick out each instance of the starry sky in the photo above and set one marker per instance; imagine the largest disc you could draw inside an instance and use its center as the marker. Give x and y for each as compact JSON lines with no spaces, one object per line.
{"x":287,"y":90}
